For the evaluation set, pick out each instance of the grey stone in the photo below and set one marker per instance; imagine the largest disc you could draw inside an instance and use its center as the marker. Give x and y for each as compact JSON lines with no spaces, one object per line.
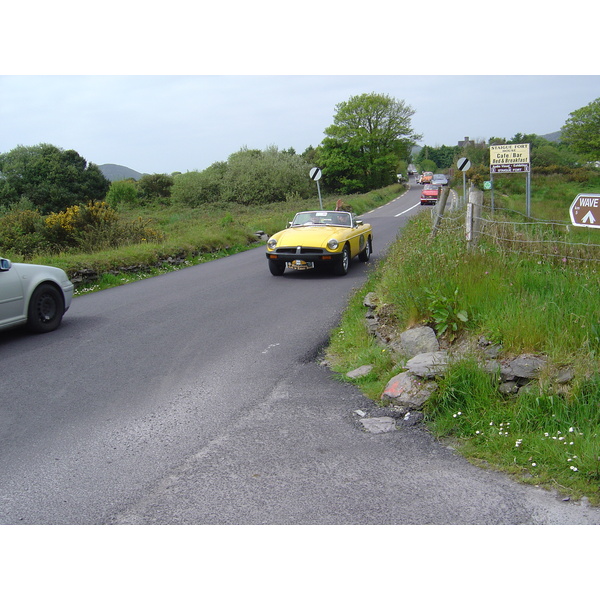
{"x":508,"y":387}
{"x":407,"y":391}
{"x":565,"y":375}
{"x":429,"y":364}
{"x":527,"y":366}
{"x":492,"y":366}
{"x":492,"y":351}
{"x":360,"y":372}
{"x":370,"y":300}
{"x":379,"y":424}
{"x":418,"y":340}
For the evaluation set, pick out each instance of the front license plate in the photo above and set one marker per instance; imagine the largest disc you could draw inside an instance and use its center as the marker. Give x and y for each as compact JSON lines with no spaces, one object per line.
{"x":300,"y":265}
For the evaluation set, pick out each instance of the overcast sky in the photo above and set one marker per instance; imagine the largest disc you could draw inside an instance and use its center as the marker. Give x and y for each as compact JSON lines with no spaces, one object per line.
{"x":178,"y":91}
{"x":161,"y":124}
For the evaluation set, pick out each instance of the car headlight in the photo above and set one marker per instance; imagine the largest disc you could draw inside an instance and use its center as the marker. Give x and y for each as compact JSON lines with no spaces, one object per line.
{"x":272,"y":244}
{"x":332,"y":244}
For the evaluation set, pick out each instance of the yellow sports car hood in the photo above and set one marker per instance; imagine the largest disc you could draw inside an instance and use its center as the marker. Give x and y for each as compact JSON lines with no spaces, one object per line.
{"x":316,"y":236}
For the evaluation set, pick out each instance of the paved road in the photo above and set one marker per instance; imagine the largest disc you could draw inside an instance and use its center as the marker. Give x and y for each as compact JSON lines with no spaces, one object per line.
{"x":194,"y":398}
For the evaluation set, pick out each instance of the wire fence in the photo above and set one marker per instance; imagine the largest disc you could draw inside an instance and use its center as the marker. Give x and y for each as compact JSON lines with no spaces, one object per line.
{"x":514,"y":232}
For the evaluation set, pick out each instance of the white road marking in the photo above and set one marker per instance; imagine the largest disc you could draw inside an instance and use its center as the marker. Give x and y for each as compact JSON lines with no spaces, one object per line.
{"x":407,"y":210}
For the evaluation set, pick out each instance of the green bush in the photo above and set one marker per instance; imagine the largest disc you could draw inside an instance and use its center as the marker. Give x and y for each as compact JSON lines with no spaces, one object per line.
{"x":198,"y":188}
{"x":122,"y":193}
{"x":21,"y":232}
{"x":95,"y":226}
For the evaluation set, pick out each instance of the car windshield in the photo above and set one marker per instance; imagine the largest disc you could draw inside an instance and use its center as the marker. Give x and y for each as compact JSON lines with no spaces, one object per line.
{"x":333,"y":218}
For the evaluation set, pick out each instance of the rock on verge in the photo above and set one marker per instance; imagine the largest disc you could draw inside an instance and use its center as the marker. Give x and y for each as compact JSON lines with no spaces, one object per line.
{"x":379,"y":424}
{"x":360,"y":372}
{"x":417,"y":340}
{"x":408,"y":391}
{"x":429,"y":364}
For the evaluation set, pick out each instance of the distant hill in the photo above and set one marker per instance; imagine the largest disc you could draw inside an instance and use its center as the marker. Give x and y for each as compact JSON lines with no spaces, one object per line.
{"x":118,"y":172}
{"x":552,"y":137}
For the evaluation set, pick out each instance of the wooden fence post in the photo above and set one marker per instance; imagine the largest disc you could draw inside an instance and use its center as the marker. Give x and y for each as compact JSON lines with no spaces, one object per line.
{"x":440,"y":207}
{"x":473,"y":225}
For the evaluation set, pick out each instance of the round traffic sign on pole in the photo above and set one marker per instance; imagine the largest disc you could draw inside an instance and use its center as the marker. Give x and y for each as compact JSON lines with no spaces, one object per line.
{"x":315,"y":175}
{"x":463,"y":164}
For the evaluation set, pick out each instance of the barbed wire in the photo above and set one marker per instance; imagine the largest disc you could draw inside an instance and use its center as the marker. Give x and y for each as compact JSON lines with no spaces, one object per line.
{"x":530,"y":236}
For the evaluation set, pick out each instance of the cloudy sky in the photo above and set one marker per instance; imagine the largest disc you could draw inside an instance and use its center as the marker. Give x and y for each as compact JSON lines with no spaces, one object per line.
{"x":202,"y":86}
{"x":161,"y":124}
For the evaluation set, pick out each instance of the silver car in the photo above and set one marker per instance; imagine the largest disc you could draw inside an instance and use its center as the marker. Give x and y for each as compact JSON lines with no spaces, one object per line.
{"x":33,"y":295}
{"x":439,"y":179}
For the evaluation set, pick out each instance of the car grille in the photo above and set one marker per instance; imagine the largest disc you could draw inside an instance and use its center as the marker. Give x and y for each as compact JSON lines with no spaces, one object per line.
{"x":299,"y":250}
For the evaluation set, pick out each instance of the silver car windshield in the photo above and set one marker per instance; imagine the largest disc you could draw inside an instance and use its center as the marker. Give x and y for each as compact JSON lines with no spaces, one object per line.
{"x":334,"y":218}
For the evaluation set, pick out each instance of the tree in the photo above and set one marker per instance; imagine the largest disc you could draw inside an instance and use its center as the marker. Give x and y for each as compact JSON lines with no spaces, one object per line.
{"x":262,"y":177}
{"x":369,"y":135}
{"x":49,"y":177}
{"x":248,"y":177}
{"x":195,"y":188}
{"x":152,"y":187}
{"x":582,"y":130}
{"x":442,"y":156}
{"x":124,"y":192}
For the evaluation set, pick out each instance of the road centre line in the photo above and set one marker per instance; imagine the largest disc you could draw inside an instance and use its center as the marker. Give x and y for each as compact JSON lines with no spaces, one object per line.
{"x":407,"y":210}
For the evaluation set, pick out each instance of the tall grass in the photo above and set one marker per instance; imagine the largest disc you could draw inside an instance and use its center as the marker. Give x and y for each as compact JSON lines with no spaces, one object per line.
{"x":194,"y":233}
{"x":526,"y":303}
{"x":190,"y":232}
{"x":538,"y":436}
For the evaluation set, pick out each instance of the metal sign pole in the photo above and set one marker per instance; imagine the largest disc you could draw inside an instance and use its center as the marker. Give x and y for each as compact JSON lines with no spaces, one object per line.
{"x":464,"y":164}
{"x":319,"y":192}
{"x":528,"y":192}
{"x":315,"y":175}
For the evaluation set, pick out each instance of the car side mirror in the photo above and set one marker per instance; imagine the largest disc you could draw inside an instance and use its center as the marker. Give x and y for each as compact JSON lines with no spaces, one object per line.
{"x":358,"y":223}
{"x":5,"y":264}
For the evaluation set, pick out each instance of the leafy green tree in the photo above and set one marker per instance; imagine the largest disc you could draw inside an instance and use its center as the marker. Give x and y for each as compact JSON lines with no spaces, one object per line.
{"x":311,"y":155}
{"x":368,"y":137}
{"x":262,"y":177}
{"x":442,"y":156}
{"x":122,"y":192}
{"x":582,"y":130}
{"x":196,"y":188}
{"x":428,"y":165}
{"x":551,"y":154}
{"x":249,"y":176}
{"x":49,"y":177}
{"x":155,"y":187}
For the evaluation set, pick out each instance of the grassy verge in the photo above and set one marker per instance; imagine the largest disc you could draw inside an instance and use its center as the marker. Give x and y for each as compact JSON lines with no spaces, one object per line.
{"x":548,"y":435}
{"x":191,"y":235}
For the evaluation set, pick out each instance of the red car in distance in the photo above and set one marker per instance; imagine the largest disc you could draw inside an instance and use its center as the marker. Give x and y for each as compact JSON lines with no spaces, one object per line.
{"x":430,"y":194}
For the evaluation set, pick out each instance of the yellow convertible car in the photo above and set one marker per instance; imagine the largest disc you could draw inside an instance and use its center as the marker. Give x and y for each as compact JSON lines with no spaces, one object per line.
{"x":318,"y":238}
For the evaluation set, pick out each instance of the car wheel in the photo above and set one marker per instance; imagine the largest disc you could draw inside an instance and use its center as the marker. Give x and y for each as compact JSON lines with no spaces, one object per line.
{"x":46,"y":309}
{"x":366,"y":253}
{"x":342,"y":266}
{"x":277,"y":268}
